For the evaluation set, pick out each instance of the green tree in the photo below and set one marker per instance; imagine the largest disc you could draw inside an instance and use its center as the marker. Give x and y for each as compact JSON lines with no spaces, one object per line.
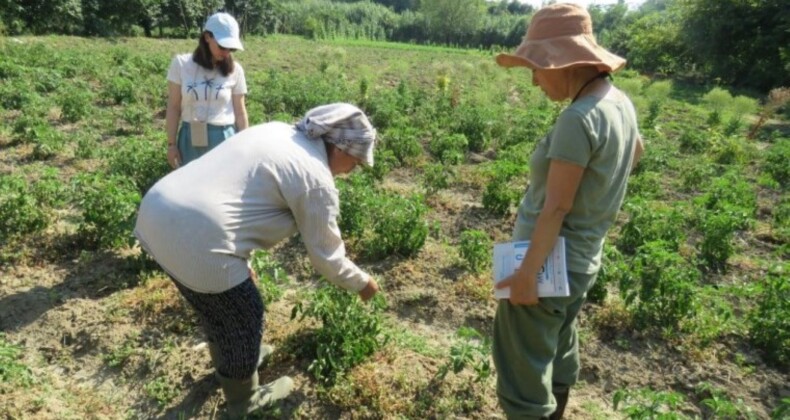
{"x":450,"y":20}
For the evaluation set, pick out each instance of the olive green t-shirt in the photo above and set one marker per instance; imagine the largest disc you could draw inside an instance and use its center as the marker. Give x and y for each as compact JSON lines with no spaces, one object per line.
{"x":599,"y":135}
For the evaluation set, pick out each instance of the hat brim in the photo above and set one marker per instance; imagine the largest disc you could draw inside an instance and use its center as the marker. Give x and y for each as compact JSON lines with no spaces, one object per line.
{"x":560,"y":53}
{"x":230,"y":43}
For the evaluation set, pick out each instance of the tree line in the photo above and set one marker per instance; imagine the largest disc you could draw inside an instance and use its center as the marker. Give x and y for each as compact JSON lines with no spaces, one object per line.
{"x":731,"y":42}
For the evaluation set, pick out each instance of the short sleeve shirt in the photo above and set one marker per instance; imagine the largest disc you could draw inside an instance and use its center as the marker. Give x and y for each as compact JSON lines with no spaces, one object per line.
{"x":206,"y":95}
{"x":599,"y":135}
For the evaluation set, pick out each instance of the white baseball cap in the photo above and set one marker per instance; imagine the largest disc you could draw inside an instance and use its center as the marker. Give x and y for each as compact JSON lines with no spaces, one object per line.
{"x":225,"y":30}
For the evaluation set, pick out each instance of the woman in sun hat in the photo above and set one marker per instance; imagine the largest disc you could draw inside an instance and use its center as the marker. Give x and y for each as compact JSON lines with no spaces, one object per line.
{"x":578,"y":177}
{"x":206,"y":89}
{"x":202,"y":222}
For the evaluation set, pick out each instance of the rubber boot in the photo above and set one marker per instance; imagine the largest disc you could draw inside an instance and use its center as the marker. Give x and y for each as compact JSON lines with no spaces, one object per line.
{"x":562,"y":401}
{"x":244,"y":396}
{"x":266,"y":351}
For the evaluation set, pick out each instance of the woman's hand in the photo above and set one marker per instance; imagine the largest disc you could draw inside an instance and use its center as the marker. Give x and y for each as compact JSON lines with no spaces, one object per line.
{"x":523,"y":288}
{"x":370,"y":290}
{"x":173,"y":156}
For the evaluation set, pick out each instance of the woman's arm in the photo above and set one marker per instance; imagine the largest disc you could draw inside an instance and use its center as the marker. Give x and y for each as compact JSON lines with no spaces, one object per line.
{"x":563,"y":181}
{"x":240,"y":112}
{"x":638,"y":150}
{"x":172,"y":118}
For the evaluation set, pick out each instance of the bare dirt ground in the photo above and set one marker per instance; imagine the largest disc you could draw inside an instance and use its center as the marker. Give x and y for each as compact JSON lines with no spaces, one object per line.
{"x":107,"y":339}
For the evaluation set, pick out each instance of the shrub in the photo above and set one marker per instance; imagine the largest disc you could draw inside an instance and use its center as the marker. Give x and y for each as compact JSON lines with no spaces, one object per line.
{"x":614,"y":268}
{"x":651,"y":221}
{"x":476,"y":249}
{"x":109,"y":205}
{"x":436,"y":177}
{"x":349,"y":332}
{"x":660,"y":290}
{"x":270,"y":275}
{"x":644,"y":403}
{"x":140,"y":160}
{"x":776,"y":162}
{"x":21,"y":212}
{"x":75,"y":103}
{"x":769,"y":321}
{"x":403,"y":143}
{"x":450,"y":149}
{"x":398,"y":227}
{"x":471,"y":349}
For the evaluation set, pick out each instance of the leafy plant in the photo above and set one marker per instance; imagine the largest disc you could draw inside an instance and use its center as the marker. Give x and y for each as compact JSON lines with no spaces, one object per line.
{"x":471,"y":349}
{"x":109,"y":205}
{"x":769,"y":321}
{"x":350,"y":332}
{"x":646,"y":404}
{"x":450,"y":149}
{"x":660,"y":290}
{"x":775,"y":162}
{"x":720,"y":405}
{"x":270,"y":275}
{"x":436,"y":177}
{"x":651,"y":221}
{"x":12,"y":372}
{"x":162,"y":390}
{"x":21,"y":212}
{"x":475,"y":249}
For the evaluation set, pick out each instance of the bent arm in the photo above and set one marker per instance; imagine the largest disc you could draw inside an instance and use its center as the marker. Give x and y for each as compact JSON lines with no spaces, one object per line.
{"x":561,"y":186}
{"x":316,"y":214}
{"x":639,"y":148}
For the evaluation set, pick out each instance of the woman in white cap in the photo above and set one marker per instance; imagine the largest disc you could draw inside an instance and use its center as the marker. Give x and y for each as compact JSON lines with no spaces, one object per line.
{"x":206,"y":88}
{"x":578,"y":177}
{"x":202,"y":222}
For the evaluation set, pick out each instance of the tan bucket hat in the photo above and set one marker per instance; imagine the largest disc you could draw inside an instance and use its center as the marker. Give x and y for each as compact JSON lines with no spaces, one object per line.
{"x":561,"y":36}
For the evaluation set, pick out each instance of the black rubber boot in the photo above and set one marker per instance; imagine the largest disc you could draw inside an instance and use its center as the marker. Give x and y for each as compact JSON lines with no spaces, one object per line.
{"x":562,"y":401}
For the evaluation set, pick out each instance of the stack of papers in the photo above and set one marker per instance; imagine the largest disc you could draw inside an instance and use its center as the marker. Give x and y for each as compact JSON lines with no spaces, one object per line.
{"x":552,"y":279}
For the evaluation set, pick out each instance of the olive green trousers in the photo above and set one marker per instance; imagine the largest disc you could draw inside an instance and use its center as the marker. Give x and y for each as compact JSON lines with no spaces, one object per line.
{"x":536,"y":350}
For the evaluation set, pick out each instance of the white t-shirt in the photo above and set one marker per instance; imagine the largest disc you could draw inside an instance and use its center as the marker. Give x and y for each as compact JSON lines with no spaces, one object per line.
{"x":253,"y":190}
{"x":206,"y":95}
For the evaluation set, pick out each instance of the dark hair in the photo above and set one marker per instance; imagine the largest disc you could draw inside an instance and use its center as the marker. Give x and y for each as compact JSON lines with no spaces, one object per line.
{"x":202,"y":56}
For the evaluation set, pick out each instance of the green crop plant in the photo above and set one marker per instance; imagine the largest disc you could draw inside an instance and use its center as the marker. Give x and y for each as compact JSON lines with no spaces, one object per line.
{"x":476,"y":250}
{"x":119,"y":91}
{"x":614,"y":267}
{"x":350,"y":331}
{"x":769,"y":321}
{"x":647,"y":404}
{"x":13,"y":373}
{"x":404,"y":143}
{"x":271,"y":276}
{"x":357,"y":199}
{"x":436,"y":177}
{"x":776,"y":162}
{"x":718,"y":229}
{"x":162,"y":390}
{"x":399,"y":227}
{"x":140,"y":160}
{"x":476,"y":123}
{"x":651,"y":221}
{"x":76,"y":102}
{"x":450,"y":149}
{"x":471,"y":349}
{"x":720,"y":406}
{"x":21,"y":212}
{"x":109,"y":206}
{"x":660,"y":289}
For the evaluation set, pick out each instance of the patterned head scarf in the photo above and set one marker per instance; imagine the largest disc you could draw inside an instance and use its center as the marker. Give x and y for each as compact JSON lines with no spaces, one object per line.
{"x":343,"y":125}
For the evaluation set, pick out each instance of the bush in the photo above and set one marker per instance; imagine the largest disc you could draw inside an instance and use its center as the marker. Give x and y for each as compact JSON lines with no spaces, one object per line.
{"x":450,"y":149}
{"x":660,"y":290}
{"x":109,"y":205}
{"x":476,"y":248}
{"x":651,"y":221}
{"x":776,"y":162}
{"x":349,"y":333}
{"x":140,"y":160}
{"x":21,"y":212}
{"x":769,"y":321}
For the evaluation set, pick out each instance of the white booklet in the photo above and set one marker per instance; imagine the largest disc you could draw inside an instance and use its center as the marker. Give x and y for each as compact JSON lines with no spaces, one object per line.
{"x":552,"y":279}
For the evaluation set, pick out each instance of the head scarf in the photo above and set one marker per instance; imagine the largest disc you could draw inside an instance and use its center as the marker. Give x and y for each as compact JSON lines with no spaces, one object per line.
{"x":342,"y":125}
